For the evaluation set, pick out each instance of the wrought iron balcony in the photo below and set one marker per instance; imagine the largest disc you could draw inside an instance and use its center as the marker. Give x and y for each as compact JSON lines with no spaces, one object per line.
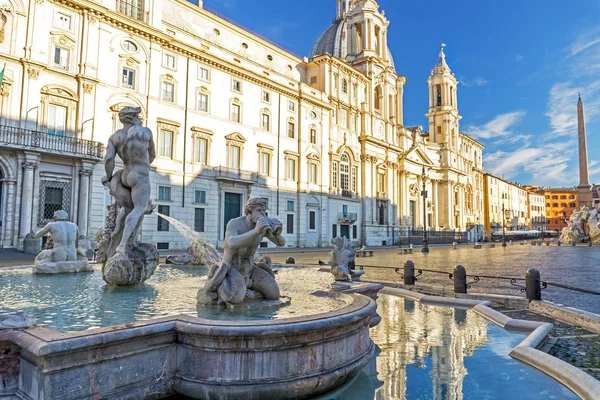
{"x":347,"y":193}
{"x":235,"y":175}
{"x":43,"y":141}
{"x":347,"y":217}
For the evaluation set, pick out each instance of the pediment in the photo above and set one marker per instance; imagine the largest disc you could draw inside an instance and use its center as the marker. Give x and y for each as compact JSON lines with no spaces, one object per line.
{"x":129,"y":60}
{"x":236,"y":137}
{"x":418,"y":156}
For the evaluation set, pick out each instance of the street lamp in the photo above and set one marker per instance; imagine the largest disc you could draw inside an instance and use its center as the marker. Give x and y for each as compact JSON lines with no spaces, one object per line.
{"x":503,"y":222}
{"x":425,"y":248}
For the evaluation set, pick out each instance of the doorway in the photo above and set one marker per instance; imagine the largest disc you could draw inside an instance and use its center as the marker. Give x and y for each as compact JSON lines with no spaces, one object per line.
{"x":345,"y":231}
{"x":233,"y":208}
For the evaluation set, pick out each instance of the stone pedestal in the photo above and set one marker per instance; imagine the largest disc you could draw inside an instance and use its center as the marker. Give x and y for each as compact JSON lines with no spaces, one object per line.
{"x":62,"y":267}
{"x":31,"y":245}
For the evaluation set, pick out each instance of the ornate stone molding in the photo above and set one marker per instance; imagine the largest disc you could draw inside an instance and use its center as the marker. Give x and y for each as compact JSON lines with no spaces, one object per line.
{"x":33,"y":73}
{"x":88,"y":87}
{"x":30,"y":165}
{"x":86,"y":172}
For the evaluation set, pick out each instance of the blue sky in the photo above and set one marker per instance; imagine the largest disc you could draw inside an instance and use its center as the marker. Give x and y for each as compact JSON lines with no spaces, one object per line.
{"x":520,"y":65}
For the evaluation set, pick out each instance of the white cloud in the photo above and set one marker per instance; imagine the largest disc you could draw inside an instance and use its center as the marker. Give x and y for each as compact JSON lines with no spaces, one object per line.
{"x":519,"y":58}
{"x":583,"y":43}
{"x":479,"y":81}
{"x":498,"y":127}
{"x":547,"y":164}
{"x":562,"y":106}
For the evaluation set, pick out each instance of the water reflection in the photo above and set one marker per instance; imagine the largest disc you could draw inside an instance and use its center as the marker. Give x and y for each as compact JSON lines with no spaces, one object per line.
{"x":443,"y":354}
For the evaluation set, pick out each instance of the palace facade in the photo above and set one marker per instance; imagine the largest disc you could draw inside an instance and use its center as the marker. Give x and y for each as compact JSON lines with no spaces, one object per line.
{"x":320,"y":138}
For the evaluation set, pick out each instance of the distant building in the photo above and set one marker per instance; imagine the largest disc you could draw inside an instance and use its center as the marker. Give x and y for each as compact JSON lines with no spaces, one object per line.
{"x":560,"y":204}
{"x":506,"y":204}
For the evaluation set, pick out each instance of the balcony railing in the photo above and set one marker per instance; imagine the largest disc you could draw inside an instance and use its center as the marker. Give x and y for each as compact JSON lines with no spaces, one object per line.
{"x":235,"y":174}
{"x":345,"y":216}
{"x":42,"y":141}
{"x":132,"y":8}
{"x":346,"y":193}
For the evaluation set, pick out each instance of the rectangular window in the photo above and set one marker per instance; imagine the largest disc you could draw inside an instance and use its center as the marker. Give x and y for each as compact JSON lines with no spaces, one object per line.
{"x":235,"y":113}
{"x":168,"y":92}
{"x":234,"y":157}
{"x":61,"y":58}
{"x":204,"y":74}
{"x":312,"y":220}
{"x":128,"y":80}
{"x":203,"y":102}
{"x":334,"y":230}
{"x":353,"y":180}
{"x":163,"y":224}
{"x":265,"y":122}
{"x":313,"y":136}
{"x":354,"y":232}
{"x":57,"y":120}
{"x":63,"y":21}
{"x":165,"y":144}
{"x":291,"y":106}
{"x":291,"y":170}
{"x":291,"y":130}
{"x":169,"y":60}
{"x":380,"y":183}
{"x":290,"y":206}
{"x":164,"y":193}
{"x":265,"y":164}
{"x":199,"y":219}
{"x":353,"y":123}
{"x":236,"y":85}
{"x":354,"y":91}
{"x":344,"y":118}
{"x":200,"y":196}
{"x":334,"y":175}
{"x":290,"y":223}
{"x":313,"y":80}
{"x":266,"y":96}
{"x":53,"y":201}
{"x":312,"y":173}
{"x":200,"y":151}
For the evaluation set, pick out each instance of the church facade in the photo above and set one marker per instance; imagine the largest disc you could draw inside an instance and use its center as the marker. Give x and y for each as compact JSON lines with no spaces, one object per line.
{"x":320,"y":138}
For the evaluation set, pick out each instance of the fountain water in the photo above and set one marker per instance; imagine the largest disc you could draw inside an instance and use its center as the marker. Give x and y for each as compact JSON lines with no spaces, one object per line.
{"x":200,"y":252}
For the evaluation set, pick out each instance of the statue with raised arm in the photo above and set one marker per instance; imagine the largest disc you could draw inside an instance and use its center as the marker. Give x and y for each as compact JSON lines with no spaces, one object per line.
{"x":127,"y":262}
{"x":63,"y":254}
{"x":239,"y":277}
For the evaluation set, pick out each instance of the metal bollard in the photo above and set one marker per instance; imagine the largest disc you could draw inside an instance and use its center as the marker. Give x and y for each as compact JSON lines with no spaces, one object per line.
{"x":409,"y":273}
{"x":460,"y":279}
{"x":533,"y":289}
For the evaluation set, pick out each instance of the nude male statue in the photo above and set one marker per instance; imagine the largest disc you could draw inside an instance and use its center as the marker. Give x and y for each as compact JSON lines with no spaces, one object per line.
{"x":65,"y":235}
{"x":131,"y":185}
{"x":239,"y":277}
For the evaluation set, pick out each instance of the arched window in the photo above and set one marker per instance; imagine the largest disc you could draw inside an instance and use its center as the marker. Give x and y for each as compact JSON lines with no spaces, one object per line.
{"x":345,"y":172}
{"x":378,"y":98}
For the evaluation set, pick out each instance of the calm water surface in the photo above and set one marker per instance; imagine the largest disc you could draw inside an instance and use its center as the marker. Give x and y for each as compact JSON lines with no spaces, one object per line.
{"x":444,"y":354}
{"x":574,"y":266}
{"x":75,"y":302}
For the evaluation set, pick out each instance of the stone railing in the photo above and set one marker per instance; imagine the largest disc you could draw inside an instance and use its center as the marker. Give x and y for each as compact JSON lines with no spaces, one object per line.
{"x":42,"y":141}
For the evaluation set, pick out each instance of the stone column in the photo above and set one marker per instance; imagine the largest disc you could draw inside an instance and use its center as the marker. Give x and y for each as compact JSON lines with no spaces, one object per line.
{"x":84,"y":190}
{"x":384,"y":44}
{"x":8,"y":213}
{"x":434,"y":201}
{"x":27,"y":198}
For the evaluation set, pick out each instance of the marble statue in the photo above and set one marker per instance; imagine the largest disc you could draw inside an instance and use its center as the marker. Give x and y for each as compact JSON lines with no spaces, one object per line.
{"x":341,"y":260}
{"x":583,"y":226}
{"x":239,"y":277}
{"x":127,"y":261}
{"x":63,"y":252}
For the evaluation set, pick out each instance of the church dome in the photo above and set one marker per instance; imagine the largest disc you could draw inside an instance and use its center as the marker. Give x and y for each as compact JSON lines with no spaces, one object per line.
{"x":334,"y":41}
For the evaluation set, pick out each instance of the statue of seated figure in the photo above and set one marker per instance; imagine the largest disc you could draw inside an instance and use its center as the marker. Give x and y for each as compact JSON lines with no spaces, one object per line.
{"x":239,"y":277}
{"x":63,"y":256}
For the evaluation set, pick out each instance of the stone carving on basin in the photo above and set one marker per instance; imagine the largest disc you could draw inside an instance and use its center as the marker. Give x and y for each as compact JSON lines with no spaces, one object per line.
{"x":583,"y":226}
{"x":65,"y":250}
{"x":239,"y":278}
{"x":342,"y":259}
{"x":125,"y":260}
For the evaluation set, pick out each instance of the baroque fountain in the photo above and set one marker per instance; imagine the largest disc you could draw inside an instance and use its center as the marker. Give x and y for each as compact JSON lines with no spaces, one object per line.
{"x":225,"y":332}
{"x":583,"y":226}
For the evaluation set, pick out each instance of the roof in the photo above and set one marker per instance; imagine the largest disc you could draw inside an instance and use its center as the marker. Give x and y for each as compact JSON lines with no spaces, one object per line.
{"x":558,"y":190}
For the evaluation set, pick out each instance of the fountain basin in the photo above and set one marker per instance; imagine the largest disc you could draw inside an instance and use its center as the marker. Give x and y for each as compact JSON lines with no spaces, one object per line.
{"x":291,"y":358}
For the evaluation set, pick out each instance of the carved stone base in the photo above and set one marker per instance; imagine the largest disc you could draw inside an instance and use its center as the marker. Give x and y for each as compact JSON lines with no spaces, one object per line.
{"x":131,"y":269}
{"x":254,"y":304}
{"x":62,"y":267}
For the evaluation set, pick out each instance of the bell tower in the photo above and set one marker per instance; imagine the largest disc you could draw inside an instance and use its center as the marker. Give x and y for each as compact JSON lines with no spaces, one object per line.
{"x":443,"y":108}
{"x":342,"y":8}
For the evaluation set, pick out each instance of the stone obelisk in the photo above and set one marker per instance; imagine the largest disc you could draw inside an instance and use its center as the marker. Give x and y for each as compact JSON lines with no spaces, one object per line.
{"x":584,"y":189}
